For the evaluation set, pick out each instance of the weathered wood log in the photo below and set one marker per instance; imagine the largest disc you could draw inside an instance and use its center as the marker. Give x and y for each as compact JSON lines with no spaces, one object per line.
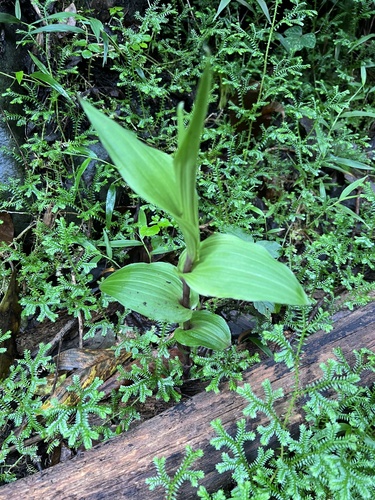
{"x":119,"y":467}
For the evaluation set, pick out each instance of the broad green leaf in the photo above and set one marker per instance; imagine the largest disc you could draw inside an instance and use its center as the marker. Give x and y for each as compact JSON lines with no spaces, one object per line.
{"x":142,"y":218}
{"x":350,"y":114}
{"x":148,"y":231}
{"x":45,"y":76}
{"x":97,"y":27}
{"x":347,"y":162}
{"x":265,"y":308}
{"x":59,"y":16}
{"x":86,"y":54}
{"x":153,"y":290}
{"x":8,"y":18}
{"x":229,"y":267}
{"x":51,"y":82}
{"x":57,"y":28}
{"x":185,"y":163}
{"x":79,"y":173}
{"x":294,"y":31}
{"x":39,"y":64}
{"x":272,"y":247}
{"x":207,"y":330}
{"x":294,"y":40}
{"x":148,"y":172}
{"x":256,"y":341}
{"x":125,"y":243}
{"x":262,"y":4}
{"x":309,"y":40}
{"x":352,"y":186}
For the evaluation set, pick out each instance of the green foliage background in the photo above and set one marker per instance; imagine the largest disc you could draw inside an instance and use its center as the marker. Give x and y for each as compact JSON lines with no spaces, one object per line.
{"x":303,"y":184}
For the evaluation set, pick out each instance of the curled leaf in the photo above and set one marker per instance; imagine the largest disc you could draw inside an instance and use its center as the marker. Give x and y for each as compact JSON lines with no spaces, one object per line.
{"x":207,"y":330}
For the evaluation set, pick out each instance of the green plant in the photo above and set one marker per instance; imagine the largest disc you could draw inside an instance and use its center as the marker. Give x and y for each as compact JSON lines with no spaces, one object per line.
{"x":226,"y":365}
{"x":154,"y":372}
{"x":23,"y":415}
{"x":184,"y":473}
{"x":223,"y":265}
{"x":301,"y":179}
{"x":331,"y":454}
{"x":335,"y":447}
{"x":26,"y":420}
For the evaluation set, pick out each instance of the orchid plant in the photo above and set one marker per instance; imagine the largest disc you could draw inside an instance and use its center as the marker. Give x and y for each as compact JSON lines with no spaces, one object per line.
{"x":223,"y":265}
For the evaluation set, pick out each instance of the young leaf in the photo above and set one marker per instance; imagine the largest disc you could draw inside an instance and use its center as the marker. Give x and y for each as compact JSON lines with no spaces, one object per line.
{"x":19,"y":76}
{"x":148,"y":172}
{"x":153,"y":290}
{"x":17,"y":9}
{"x":229,"y":267}
{"x":352,"y":186}
{"x":207,"y":330}
{"x":185,"y":163}
{"x":110,"y":205}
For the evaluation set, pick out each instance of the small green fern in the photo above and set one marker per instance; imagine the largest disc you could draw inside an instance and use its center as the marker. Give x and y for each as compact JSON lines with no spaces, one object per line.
{"x":334,"y":451}
{"x":332,"y":455}
{"x":183,"y":473}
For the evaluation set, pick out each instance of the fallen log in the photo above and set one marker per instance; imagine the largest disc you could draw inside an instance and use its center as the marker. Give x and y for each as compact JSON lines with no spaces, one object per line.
{"x":118,"y":468}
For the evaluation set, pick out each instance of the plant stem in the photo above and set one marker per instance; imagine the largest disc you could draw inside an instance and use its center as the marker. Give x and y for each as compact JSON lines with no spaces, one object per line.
{"x":185,"y":301}
{"x":185,"y":287}
{"x":185,"y":294}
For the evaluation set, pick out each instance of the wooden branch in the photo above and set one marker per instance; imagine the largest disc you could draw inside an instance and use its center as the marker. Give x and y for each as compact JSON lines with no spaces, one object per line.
{"x":118,"y":468}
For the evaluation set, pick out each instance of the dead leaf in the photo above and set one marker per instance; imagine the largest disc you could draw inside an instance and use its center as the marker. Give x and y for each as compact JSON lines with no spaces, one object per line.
{"x":266,"y":116}
{"x":73,"y":359}
{"x":71,"y":21}
{"x":102,"y":364}
{"x":49,"y":216}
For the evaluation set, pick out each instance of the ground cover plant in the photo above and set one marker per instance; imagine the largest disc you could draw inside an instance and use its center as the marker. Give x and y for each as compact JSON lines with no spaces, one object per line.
{"x":323,"y":461}
{"x":285,"y":161}
{"x":221,"y":266}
